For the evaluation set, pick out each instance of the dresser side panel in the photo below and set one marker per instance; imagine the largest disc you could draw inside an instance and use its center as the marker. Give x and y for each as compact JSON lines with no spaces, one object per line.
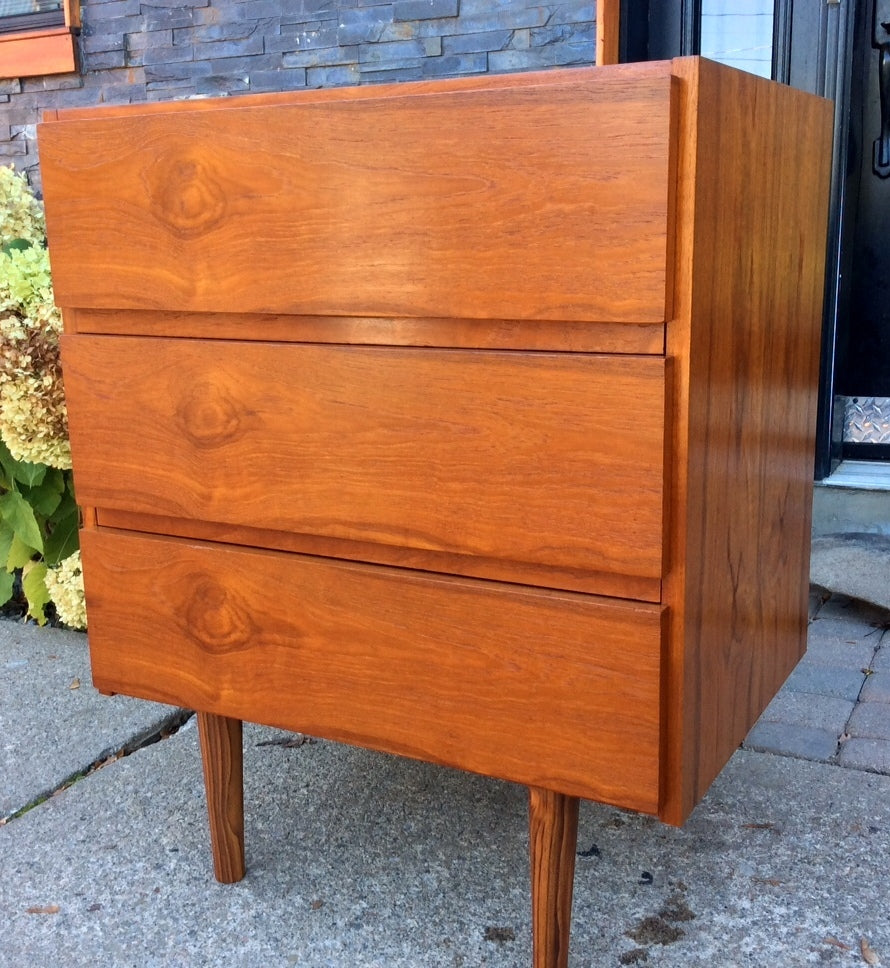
{"x":748,"y":333}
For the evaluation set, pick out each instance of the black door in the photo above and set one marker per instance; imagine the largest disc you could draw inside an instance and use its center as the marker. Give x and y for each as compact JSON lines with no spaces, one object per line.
{"x":862,"y":352}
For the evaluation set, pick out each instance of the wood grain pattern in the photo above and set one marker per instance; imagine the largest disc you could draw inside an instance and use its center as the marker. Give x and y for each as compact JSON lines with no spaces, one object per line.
{"x":419,"y":226}
{"x":553,"y":838}
{"x":526,"y":457}
{"x":72,"y":13}
{"x":626,"y":74}
{"x":553,"y":690}
{"x":414,"y":202}
{"x":608,"y":15}
{"x":422,"y":559}
{"x":503,"y":334}
{"x":745,"y":347}
{"x":37,"y":53}
{"x":222,"y":760}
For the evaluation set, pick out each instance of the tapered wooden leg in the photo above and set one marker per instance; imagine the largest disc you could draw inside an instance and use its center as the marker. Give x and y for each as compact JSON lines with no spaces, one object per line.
{"x":553,"y":838}
{"x":221,"y":754}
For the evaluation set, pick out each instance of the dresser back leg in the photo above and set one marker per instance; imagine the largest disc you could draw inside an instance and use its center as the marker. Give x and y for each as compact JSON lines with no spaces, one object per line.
{"x":221,"y":754}
{"x":553,"y":838}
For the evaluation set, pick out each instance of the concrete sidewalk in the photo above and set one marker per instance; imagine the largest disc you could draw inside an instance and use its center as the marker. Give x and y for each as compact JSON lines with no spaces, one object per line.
{"x":358,"y":859}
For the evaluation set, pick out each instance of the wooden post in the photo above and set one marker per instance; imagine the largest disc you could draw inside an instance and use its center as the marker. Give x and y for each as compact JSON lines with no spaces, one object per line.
{"x":221,"y":754}
{"x":607,"y":21}
{"x":553,"y":837}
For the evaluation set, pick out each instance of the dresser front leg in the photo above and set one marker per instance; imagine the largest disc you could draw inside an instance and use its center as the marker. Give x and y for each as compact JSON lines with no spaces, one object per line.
{"x":221,"y":755}
{"x":553,"y":838}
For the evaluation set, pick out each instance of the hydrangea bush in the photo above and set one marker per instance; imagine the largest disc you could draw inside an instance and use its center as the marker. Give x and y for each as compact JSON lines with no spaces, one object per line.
{"x":38,"y":513}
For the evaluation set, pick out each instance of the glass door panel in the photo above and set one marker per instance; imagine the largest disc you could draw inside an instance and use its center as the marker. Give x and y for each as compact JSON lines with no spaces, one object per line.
{"x":739,"y":33}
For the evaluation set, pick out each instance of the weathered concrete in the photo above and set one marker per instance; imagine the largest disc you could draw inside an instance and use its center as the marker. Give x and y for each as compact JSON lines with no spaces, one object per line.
{"x":845,"y":509}
{"x":357,"y":859}
{"x":53,"y":724}
{"x":855,"y":564}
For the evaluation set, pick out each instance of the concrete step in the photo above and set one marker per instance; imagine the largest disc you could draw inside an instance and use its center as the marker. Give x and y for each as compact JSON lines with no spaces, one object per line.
{"x":856,"y":564}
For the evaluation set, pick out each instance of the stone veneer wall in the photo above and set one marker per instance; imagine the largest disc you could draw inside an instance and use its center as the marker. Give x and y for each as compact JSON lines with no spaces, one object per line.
{"x":152,"y":50}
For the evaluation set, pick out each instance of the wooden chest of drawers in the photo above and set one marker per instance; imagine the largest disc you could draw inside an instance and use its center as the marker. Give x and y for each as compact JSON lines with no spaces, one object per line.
{"x":467,"y":420}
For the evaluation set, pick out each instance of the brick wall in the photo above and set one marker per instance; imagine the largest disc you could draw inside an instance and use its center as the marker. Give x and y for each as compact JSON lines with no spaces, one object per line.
{"x":138,"y":50}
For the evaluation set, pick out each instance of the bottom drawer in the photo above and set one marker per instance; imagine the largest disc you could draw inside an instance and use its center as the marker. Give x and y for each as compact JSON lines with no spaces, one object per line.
{"x":550,"y":689}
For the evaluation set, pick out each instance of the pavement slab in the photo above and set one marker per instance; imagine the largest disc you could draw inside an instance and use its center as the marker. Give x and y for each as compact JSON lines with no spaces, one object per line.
{"x":846,"y":622}
{"x":821,"y":705}
{"x":789,"y":739}
{"x":826,"y":680}
{"x":870,"y":719}
{"x":805,"y":709}
{"x":866,"y":753}
{"x":53,"y":724}
{"x":877,"y":687}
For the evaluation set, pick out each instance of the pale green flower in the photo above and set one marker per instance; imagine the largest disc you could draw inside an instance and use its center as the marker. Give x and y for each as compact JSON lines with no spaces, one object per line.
{"x":25,"y":282}
{"x":32,"y":422}
{"x":33,"y":417}
{"x":21,"y":215}
{"x":64,"y":583}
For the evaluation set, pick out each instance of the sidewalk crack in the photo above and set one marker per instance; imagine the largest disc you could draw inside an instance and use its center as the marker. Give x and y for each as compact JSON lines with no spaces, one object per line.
{"x":166,"y":728}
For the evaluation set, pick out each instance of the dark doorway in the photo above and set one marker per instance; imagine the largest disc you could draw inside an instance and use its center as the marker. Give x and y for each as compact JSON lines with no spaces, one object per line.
{"x":862,"y":376}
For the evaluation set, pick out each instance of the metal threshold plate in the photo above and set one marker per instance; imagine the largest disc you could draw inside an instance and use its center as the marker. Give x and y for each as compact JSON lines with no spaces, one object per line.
{"x":864,"y":474}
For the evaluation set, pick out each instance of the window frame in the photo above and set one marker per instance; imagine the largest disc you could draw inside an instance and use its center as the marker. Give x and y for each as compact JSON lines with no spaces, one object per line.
{"x":45,"y":44}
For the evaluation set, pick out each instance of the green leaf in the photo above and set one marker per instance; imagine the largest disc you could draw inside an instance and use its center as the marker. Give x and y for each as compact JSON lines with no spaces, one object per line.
{"x":19,"y":554}
{"x":15,"y":244}
{"x":67,"y":506}
{"x":55,"y":479}
{"x":6,"y":536}
{"x":43,"y":498}
{"x":34,"y":587}
{"x":29,"y":474}
{"x":7,"y":462}
{"x":62,"y":540}
{"x":21,"y":470}
{"x":18,"y":514}
{"x":7,"y":584}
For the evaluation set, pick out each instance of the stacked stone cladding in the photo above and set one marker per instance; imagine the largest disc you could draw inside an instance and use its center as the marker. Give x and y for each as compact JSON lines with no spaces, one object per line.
{"x":152,"y":50}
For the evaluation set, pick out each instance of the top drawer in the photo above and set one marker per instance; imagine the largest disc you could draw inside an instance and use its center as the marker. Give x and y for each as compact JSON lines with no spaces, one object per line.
{"x":537,"y":197}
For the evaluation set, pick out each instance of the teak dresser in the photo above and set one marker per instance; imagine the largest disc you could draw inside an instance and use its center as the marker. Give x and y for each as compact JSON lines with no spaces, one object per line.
{"x":506,"y":384}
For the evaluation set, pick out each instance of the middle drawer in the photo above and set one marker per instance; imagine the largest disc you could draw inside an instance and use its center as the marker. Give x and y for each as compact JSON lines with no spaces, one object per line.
{"x":539,"y":459}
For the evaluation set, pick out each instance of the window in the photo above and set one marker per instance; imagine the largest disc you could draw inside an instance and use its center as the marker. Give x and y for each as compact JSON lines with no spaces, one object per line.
{"x":19,"y":16}
{"x":738,"y":33}
{"x":37,"y":37}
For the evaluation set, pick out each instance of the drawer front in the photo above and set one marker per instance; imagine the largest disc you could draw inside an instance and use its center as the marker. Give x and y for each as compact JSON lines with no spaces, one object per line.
{"x":539,"y":197}
{"x":550,"y":689}
{"x":532,"y":458}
